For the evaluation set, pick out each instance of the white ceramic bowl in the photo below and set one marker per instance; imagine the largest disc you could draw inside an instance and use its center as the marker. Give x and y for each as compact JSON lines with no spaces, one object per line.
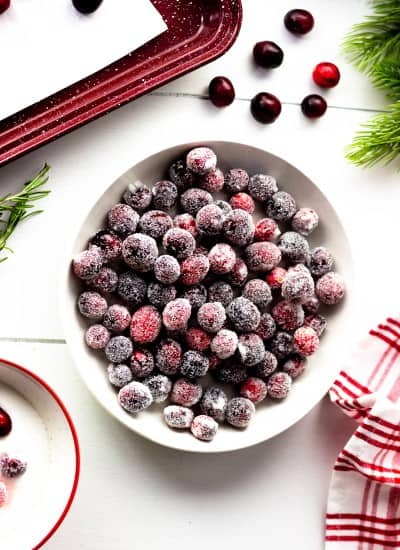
{"x":271,"y":418}
{"x":43,"y":434}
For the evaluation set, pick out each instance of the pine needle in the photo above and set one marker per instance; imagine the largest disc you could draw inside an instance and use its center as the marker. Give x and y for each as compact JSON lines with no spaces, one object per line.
{"x":386,"y":77}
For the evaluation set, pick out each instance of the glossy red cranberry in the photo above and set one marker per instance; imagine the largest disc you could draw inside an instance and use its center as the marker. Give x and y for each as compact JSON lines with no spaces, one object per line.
{"x":265,"y":107}
{"x":221,"y":91}
{"x":4,"y":5}
{"x":5,"y":423}
{"x":326,"y":75}
{"x":267,"y":54}
{"x":86,"y":6}
{"x":313,"y":106}
{"x":299,"y":21}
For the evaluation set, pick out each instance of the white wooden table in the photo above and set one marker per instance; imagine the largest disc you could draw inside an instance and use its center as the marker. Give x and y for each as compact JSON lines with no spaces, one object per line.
{"x":133,"y":494}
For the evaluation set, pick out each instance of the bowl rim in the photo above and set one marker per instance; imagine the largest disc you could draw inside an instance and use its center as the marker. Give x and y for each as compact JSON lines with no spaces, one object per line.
{"x":75,"y":440}
{"x":66,"y":274}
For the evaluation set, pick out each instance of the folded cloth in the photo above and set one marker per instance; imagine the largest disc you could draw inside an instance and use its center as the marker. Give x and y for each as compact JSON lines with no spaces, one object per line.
{"x":364,"y":497}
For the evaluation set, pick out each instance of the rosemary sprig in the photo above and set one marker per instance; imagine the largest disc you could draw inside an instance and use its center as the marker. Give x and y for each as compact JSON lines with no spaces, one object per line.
{"x":16,"y":208}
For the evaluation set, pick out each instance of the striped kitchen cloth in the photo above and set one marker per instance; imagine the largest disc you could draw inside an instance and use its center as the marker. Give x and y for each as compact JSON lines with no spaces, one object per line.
{"x":364,"y":496}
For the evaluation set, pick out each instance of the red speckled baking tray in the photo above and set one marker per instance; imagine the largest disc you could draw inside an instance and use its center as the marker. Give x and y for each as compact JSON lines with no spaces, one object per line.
{"x":198,"y":32}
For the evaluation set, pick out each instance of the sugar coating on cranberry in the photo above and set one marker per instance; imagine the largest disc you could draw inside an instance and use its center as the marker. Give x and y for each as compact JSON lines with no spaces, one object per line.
{"x":305,"y":221}
{"x":197,"y":339}
{"x":281,"y":344}
{"x":228,"y":374}
{"x":262,"y":257}
{"x":122,"y":219}
{"x":258,"y":292}
{"x":224,"y":206}
{"x":239,"y":412}
{"x":279,"y":385}
{"x":176,"y":314}
{"x":165,"y":194}
{"x":276,"y":277}
{"x":159,"y":386}
{"x":194,"y":199}
{"x":236,"y":180}
{"x":119,"y":375}
{"x":168,"y":356}
{"x":288,"y":315}
{"x":267,"y":366}
{"x":266,"y":230}
{"x":145,"y":325}
{"x":298,"y":283}
{"x":224,"y":343}
{"x":179,"y":243}
{"x":194,"y":269}
{"x":138,"y":196}
{"x":97,"y":337}
{"x":254,"y":389}
{"x":213,"y":181}
{"x":105,"y":281}
{"x":117,"y":318}
{"x":311,"y":304}
{"x":92,"y":305}
{"x":186,"y":221}
{"x":238,"y":275}
{"x":142,"y":362}
{"x":87,"y":264}
{"x":266,"y":327}
{"x":213,"y":403}
{"x":118,"y":349}
{"x":196,"y":295}
{"x":180,"y":174}
{"x":294,"y":247}
{"x":155,"y":223}
{"x":109,"y":243}
{"x":262,"y":187}
{"x":305,"y":341}
{"x":140,"y":252}
{"x":281,"y":206}
{"x":294,"y":366}
{"x":159,"y":295}
{"x":131,"y":288}
{"x":204,"y":427}
{"x":317,"y":323}
{"x":186,"y":392}
{"x":167,"y":269}
{"x":3,"y":494}
{"x":209,"y":219}
{"x":201,"y":160}
{"x":243,"y":314}
{"x":222,"y":258}
{"x":135,"y":397}
{"x":238,"y":227}
{"x":211,"y":316}
{"x":321,"y":261}
{"x":251,"y":349}
{"x":194,"y":364}
{"x":178,"y":417}
{"x":220,"y":291}
{"x":330,"y":288}
{"x":242,"y":201}
{"x":12,"y":466}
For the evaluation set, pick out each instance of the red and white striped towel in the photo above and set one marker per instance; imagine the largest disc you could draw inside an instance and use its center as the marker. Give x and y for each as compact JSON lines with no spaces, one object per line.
{"x":364,"y":497}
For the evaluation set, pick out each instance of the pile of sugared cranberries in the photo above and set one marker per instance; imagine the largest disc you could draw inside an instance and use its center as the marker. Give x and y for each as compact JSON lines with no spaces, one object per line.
{"x":182,"y":288}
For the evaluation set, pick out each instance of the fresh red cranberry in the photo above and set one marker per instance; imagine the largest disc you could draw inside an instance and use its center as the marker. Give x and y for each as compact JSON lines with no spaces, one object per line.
{"x":313,"y":106}
{"x":4,"y":5}
{"x":221,"y":91}
{"x":86,"y":6}
{"x":5,"y":423}
{"x":299,"y":21}
{"x":326,"y":75}
{"x":267,"y":54}
{"x":265,"y":107}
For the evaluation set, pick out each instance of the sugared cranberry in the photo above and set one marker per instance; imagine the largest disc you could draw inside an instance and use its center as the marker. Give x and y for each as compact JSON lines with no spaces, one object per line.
{"x":5,"y":423}
{"x":276,"y":277}
{"x":265,"y":107}
{"x":4,"y":5}
{"x":221,"y":91}
{"x":267,"y":54}
{"x":305,"y":341}
{"x":204,"y":427}
{"x":145,"y":325}
{"x":299,"y":21}
{"x":254,"y":389}
{"x":313,"y":106}
{"x":86,"y":6}
{"x":326,"y":75}
{"x":242,"y":201}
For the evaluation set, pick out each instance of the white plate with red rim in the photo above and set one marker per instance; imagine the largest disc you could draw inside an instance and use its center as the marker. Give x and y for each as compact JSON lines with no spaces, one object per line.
{"x":271,"y":418}
{"x":43,"y":434}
